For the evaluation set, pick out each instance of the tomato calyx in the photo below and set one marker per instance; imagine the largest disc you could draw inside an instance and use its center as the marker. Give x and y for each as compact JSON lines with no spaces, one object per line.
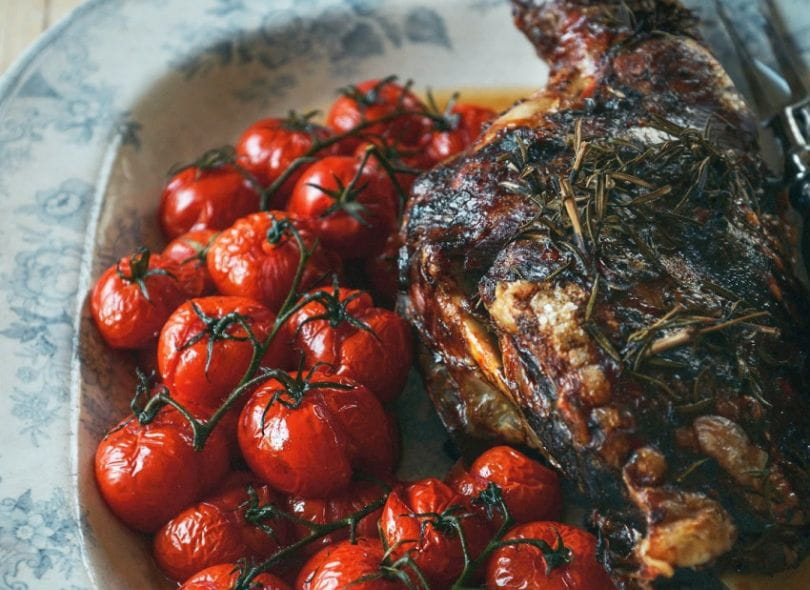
{"x":336,"y":311}
{"x":372,"y":96}
{"x":295,"y":387}
{"x":212,"y":159}
{"x":301,"y":122}
{"x":393,"y":151}
{"x":216,"y":329}
{"x":258,"y":514}
{"x":555,"y":557}
{"x":200,"y":250}
{"x":447,"y":522}
{"x":139,"y":271}
{"x":442,"y":119}
{"x":345,"y":196}
{"x":145,"y":388}
{"x":279,"y":229}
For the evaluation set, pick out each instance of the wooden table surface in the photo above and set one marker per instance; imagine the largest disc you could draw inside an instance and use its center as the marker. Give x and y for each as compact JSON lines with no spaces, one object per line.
{"x":22,"y":21}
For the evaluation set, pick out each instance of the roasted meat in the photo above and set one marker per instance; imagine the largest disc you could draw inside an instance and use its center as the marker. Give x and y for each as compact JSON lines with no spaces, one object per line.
{"x":606,"y":277}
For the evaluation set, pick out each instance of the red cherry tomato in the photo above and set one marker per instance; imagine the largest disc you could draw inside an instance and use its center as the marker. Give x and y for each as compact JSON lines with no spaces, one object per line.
{"x":352,"y":206}
{"x":304,"y":436}
{"x":370,"y":344}
{"x":524,"y":566}
{"x":531,"y":492}
{"x":192,"y":249}
{"x":224,"y":576}
{"x":200,"y":376}
{"x":433,"y":544}
{"x":382,"y":272}
{"x":269,"y":146}
{"x":343,"y":564}
{"x":132,"y":299}
{"x":148,"y":473}
{"x":375,"y":99}
{"x":205,"y":198}
{"x":215,"y":531}
{"x":258,"y":256}
{"x":465,"y":122}
{"x":360,"y":494}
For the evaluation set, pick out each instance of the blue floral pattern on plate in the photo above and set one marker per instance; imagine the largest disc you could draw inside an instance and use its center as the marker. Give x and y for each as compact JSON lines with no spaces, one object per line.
{"x":77,"y":116}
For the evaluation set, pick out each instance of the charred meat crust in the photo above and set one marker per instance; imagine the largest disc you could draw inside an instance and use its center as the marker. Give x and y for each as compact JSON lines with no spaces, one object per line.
{"x":604,"y":278}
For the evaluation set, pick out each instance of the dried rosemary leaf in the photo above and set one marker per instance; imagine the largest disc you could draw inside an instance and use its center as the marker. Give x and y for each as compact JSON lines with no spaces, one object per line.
{"x":592,"y":298}
{"x":602,"y":341}
{"x":657,"y":382}
{"x":651,"y":196}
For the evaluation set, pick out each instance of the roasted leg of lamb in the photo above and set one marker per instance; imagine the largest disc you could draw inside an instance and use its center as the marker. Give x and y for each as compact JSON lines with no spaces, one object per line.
{"x":606,"y":277}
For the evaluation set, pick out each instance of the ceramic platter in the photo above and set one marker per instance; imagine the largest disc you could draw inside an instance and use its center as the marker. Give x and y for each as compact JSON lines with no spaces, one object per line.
{"x":91,"y":117}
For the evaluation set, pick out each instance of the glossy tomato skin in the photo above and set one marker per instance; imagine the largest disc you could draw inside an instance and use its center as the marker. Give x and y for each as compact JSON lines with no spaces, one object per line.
{"x":224,"y":576}
{"x":124,"y":315}
{"x":245,"y":261}
{"x":531,"y":492}
{"x":338,"y":566}
{"x":347,"y":112}
{"x":269,"y":146}
{"x":148,"y":473}
{"x":196,"y":199}
{"x":470,"y":120}
{"x":191,"y":249}
{"x":522,"y":566}
{"x":215,"y":531}
{"x":380,"y":360}
{"x":311,"y":449}
{"x":437,"y":553}
{"x":182,"y":361}
{"x":374,"y":201}
{"x":360,"y":494}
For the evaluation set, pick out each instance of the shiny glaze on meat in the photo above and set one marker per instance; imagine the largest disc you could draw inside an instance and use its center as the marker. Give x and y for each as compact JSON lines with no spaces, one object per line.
{"x":674,"y":391}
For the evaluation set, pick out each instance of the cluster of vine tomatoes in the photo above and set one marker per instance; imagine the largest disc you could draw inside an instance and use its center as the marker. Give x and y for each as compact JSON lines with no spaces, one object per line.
{"x":261,"y":451}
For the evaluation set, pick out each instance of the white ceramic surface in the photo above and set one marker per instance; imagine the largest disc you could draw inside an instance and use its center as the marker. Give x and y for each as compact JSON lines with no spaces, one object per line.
{"x":90,"y":119}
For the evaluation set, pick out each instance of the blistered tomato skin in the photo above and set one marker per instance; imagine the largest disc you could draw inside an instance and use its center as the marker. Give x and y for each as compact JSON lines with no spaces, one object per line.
{"x":211,"y":198}
{"x":379,"y":357}
{"x":531,"y":492}
{"x":374,"y":99}
{"x":258,"y":256}
{"x":269,"y":146}
{"x":201,"y":378}
{"x":343,"y":564}
{"x":360,"y":494}
{"x":360,"y":226}
{"x":518,"y":567}
{"x":191,"y":249}
{"x":224,"y":576}
{"x":310,"y":444}
{"x":437,"y":552}
{"x":467,"y":122}
{"x":148,"y":473}
{"x":215,"y":531}
{"x":128,"y":317}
